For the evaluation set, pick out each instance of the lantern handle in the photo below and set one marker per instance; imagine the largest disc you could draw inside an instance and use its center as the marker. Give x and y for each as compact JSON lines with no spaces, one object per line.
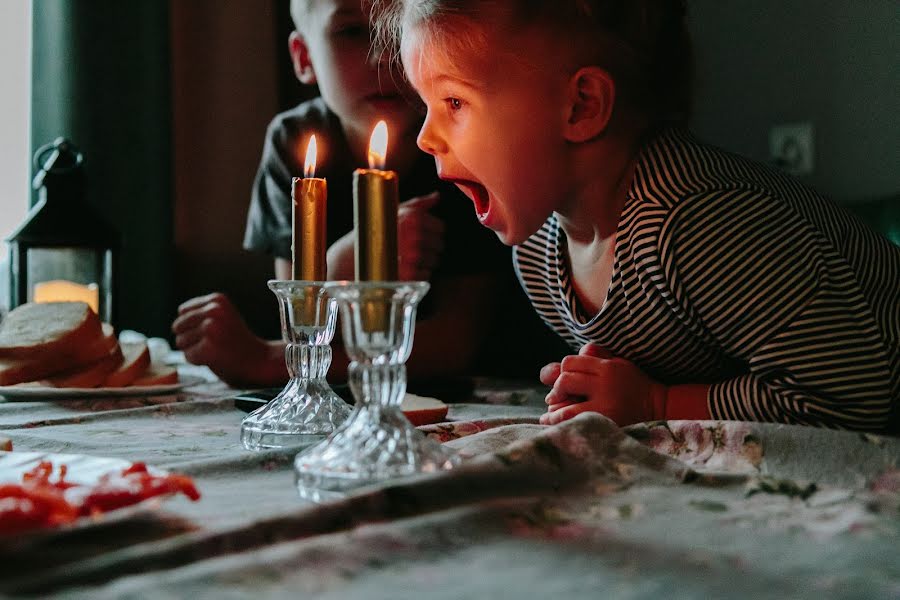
{"x":54,"y":151}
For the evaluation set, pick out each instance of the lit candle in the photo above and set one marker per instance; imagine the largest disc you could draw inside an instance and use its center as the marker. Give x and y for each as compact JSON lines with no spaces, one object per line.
{"x":310,"y":196}
{"x":375,"y":202}
{"x":60,"y":290}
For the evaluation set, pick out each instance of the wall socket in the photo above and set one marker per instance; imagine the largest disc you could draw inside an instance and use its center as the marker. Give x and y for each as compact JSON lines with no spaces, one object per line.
{"x":792,"y":148}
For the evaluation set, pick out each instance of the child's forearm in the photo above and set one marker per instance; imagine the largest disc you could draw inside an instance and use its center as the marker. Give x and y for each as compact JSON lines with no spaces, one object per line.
{"x":340,"y":258}
{"x":684,"y":402}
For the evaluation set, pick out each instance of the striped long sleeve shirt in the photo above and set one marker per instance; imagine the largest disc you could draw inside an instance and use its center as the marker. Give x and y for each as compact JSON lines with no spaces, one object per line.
{"x":733,"y":274}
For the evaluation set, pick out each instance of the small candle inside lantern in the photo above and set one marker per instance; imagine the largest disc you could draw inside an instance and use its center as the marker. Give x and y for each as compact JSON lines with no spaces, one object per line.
{"x":310,"y":198}
{"x":60,"y":290}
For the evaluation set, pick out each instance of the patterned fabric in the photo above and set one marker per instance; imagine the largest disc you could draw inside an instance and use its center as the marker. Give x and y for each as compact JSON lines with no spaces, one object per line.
{"x":583,"y":508}
{"x":730,"y":273}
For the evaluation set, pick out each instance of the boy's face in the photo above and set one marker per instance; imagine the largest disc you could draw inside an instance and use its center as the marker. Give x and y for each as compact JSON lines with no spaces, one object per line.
{"x":358,"y":87}
{"x":494,"y":124}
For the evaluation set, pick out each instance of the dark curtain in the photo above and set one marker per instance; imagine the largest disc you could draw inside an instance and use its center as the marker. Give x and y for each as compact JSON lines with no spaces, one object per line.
{"x":101,"y":77}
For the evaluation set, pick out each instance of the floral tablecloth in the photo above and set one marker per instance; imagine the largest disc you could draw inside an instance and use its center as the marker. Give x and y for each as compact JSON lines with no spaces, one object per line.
{"x":580,"y":510}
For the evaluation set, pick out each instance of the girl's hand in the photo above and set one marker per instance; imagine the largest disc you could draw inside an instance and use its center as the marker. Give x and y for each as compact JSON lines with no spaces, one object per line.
{"x":596,"y":381}
{"x":420,"y":238}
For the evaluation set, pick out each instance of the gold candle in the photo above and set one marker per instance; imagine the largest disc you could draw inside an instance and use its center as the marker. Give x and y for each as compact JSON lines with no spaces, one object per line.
{"x":375,"y":201}
{"x":376,"y":196}
{"x":310,"y":201}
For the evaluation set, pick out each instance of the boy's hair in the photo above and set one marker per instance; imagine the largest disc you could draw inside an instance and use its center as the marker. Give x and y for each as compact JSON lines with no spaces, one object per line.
{"x":644,"y":44}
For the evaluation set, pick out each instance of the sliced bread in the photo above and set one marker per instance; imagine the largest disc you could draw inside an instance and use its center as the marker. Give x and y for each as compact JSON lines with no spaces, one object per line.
{"x":20,"y":370}
{"x":48,"y":330}
{"x":157,"y":375}
{"x":420,"y":410}
{"x":135,"y":364}
{"x":91,"y":375}
{"x":62,"y":360}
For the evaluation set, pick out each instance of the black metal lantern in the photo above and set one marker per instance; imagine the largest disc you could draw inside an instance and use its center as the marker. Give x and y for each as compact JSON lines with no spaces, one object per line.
{"x":64,"y":250}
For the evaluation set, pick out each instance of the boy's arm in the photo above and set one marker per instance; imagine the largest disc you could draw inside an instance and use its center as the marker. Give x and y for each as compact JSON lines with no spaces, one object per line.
{"x":340,"y":258}
{"x":447,"y":340}
{"x":283,"y":268}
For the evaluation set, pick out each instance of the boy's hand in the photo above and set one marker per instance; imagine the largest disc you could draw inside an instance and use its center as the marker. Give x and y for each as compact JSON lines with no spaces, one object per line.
{"x":420,"y":238}
{"x":596,"y":381}
{"x":211,"y":332}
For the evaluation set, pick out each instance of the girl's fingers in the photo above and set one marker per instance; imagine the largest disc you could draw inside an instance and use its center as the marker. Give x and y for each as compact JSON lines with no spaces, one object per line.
{"x":557,"y":397}
{"x":578,"y":363}
{"x":549,"y":373}
{"x":591,"y":349}
{"x":563,"y":414}
{"x":575,"y":384}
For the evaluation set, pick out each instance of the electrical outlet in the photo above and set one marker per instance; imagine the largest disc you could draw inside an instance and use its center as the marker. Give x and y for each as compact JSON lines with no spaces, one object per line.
{"x":792,"y":148}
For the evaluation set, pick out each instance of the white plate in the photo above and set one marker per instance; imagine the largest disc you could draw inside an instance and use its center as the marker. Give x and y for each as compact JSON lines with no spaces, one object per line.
{"x":27,"y":391}
{"x":80,"y":468}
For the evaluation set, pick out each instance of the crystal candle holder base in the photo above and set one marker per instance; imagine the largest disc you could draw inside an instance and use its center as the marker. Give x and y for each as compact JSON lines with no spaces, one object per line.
{"x":307,"y":409}
{"x":376,"y":443}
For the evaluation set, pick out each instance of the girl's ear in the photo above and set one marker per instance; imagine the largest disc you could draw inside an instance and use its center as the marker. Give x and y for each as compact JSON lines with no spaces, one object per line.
{"x":591,"y":98}
{"x":303,"y":66}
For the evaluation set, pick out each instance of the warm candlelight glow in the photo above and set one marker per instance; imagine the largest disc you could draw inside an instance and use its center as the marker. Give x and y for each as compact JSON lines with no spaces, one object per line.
{"x":309,"y":167}
{"x":378,"y":146}
{"x":60,"y":290}
{"x":310,"y":197}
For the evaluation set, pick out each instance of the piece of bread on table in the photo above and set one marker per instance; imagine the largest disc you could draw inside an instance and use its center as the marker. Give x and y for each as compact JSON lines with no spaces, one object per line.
{"x":91,"y":375}
{"x":77,"y":357}
{"x":48,"y":330}
{"x":136,"y":362}
{"x":420,"y":410}
{"x":157,"y":375}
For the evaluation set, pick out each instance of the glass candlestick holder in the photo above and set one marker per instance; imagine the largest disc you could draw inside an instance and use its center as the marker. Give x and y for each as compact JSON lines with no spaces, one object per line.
{"x":307,"y":409}
{"x":376,"y":443}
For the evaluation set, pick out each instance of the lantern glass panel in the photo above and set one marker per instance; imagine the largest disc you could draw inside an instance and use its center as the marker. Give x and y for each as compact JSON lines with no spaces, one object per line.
{"x":70,"y":273}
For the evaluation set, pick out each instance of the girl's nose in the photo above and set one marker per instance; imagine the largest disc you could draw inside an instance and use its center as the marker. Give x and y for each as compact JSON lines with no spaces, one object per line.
{"x":429,"y":140}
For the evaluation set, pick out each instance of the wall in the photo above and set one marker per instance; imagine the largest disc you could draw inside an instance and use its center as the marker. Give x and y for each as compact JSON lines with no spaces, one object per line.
{"x":835,"y":63}
{"x":225,"y":91}
{"x":15,"y":164}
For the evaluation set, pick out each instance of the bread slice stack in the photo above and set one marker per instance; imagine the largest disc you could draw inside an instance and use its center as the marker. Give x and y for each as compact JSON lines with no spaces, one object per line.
{"x":64,"y":344}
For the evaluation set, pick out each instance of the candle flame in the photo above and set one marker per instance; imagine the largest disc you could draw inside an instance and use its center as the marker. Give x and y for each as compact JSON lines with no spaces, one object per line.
{"x":309,"y":167}
{"x":378,"y":146}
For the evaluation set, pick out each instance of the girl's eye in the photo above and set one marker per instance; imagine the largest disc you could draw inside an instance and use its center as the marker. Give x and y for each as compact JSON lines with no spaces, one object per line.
{"x":455,"y":104}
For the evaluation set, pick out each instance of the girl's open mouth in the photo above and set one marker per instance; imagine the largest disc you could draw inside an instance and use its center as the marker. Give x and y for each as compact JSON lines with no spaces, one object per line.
{"x":478,"y":194}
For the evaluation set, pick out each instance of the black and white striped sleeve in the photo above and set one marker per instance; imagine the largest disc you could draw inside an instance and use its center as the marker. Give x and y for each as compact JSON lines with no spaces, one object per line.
{"x":771,"y":290}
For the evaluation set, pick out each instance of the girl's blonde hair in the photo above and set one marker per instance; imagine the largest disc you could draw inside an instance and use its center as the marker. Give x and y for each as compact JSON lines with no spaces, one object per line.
{"x":644,"y":44}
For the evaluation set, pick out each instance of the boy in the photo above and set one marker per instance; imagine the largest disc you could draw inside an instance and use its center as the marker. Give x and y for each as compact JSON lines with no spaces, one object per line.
{"x":696,"y":283}
{"x":439,"y":239}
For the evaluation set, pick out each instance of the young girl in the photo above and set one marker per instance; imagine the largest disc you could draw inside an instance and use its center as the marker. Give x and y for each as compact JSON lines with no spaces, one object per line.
{"x":696,"y":283}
